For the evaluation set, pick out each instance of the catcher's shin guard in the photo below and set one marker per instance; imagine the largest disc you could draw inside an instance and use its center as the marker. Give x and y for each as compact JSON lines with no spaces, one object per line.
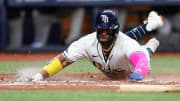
{"x":53,"y":67}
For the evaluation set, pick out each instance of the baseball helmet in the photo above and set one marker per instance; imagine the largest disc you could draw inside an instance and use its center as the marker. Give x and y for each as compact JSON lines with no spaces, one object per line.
{"x":107,"y":19}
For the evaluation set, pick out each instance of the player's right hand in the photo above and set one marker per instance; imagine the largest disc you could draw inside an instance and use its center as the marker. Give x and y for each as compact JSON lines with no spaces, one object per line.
{"x":37,"y":77}
{"x":154,"y":21}
{"x":135,"y":76}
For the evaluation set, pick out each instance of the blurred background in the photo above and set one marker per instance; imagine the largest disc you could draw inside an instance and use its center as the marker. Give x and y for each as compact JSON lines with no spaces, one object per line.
{"x":52,"y":25}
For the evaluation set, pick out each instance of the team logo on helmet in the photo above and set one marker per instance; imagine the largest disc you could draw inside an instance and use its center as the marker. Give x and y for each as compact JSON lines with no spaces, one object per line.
{"x":104,"y":18}
{"x":107,"y":19}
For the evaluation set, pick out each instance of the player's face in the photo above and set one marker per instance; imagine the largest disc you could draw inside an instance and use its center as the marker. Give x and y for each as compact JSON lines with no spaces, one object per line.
{"x":105,"y":36}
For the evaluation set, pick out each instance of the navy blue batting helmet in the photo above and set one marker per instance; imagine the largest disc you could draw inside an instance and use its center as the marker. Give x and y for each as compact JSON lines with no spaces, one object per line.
{"x":106,"y":19}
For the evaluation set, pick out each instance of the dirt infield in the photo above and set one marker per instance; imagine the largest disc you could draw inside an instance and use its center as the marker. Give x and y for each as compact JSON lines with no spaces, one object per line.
{"x":84,"y":82}
{"x":77,"y":81}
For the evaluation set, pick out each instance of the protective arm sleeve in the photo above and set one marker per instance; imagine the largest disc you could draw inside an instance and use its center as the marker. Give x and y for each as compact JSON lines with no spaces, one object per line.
{"x":137,"y":32}
{"x":53,"y":66}
{"x":140,"y":63}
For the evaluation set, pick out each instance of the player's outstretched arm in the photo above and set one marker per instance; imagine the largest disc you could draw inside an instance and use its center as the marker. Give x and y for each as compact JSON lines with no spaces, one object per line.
{"x":53,"y":67}
{"x":153,"y":22}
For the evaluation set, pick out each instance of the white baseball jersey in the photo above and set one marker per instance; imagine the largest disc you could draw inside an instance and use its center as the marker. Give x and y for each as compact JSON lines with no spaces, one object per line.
{"x":118,"y":60}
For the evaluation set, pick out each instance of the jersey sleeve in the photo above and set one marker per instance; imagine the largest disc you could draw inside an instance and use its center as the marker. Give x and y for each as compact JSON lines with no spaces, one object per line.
{"x":76,"y":50}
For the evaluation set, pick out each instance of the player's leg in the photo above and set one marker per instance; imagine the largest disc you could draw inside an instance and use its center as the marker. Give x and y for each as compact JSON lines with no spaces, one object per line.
{"x":154,"y":21}
{"x":42,"y":23}
{"x":137,"y":32}
{"x":137,"y":59}
{"x":151,"y":46}
{"x":76,"y":25}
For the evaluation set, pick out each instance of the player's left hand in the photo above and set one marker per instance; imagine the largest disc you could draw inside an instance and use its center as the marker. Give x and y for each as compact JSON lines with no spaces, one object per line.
{"x":135,"y":76}
{"x":37,"y":77}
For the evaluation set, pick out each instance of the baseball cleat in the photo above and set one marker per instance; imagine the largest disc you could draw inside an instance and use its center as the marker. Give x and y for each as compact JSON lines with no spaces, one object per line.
{"x":154,"y":21}
{"x":153,"y":44}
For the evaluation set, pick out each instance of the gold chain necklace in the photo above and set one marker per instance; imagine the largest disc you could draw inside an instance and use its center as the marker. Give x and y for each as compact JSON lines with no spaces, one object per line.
{"x":107,"y":50}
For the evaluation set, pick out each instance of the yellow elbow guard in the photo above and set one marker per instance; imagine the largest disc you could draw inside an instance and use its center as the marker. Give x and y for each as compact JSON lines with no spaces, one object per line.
{"x":53,"y":67}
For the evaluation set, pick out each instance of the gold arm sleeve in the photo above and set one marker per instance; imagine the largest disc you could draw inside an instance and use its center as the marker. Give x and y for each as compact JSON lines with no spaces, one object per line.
{"x":53,"y":67}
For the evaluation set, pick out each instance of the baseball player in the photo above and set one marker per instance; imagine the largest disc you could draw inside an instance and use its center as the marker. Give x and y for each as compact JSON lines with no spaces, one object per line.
{"x":108,"y":49}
